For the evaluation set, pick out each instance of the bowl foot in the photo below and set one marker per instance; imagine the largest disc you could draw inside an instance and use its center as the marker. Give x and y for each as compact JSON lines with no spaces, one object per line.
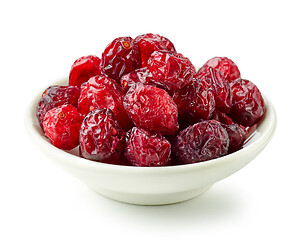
{"x":150,"y":199}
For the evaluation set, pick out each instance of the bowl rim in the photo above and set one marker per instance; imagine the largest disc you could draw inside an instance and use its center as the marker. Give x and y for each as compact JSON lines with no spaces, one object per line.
{"x":266,"y":128}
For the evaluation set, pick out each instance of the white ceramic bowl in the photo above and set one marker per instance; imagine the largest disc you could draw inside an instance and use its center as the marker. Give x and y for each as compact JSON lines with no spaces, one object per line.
{"x":151,"y":185}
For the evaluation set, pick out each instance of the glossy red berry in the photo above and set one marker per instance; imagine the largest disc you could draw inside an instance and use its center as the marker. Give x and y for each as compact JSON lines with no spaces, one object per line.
{"x":237,"y":136}
{"x":152,"y":109}
{"x":247,"y":103}
{"x":219,"y":85}
{"x":237,"y":133}
{"x":103,"y":92}
{"x":170,"y":71}
{"x":120,"y":57}
{"x":145,"y":149}
{"x":222,"y":118}
{"x":150,"y":42}
{"x":200,"y":142}
{"x":141,"y":75}
{"x":101,"y":137}
{"x":195,"y":102}
{"x":226,"y":66}
{"x":61,"y":125}
{"x":55,"y":96}
{"x":83,"y":69}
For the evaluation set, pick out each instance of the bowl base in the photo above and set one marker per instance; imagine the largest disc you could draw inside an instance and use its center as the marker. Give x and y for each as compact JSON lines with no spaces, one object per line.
{"x":150,"y":199}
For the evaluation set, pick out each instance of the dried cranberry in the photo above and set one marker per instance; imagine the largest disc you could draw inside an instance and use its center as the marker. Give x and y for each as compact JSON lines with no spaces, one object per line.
{"x":55,"y":96}
{"x":120,"y":57}
{"x":200,"y":142}
{"x":237,"y":133}
{"x":195,"y":102}
{"x":171,"y":71}
{"x":247,"y":103}
{"x":222,"y":118}
{"x":101,"y":137}
{"x":220,"y":87}
{"x":152,"y":109}
{"x":145,"y":149}
{"x":150,"y":42}
{"x":61,"y":126}
{"x":103,"y":92}
{"x":141,"y":75}
{"x":237,"y":136}
{"x":83,"y":69}
{"x":250,"y":130}
{"x":122,"y":160}
{"x":225,"y":65}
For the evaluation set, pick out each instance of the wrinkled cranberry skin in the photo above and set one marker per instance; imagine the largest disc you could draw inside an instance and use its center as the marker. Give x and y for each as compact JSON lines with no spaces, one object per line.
{"x":200,"y":142}
{"x":55,"y":96}
{"x":83,"y":69}
{"x":146,"y":150}
{"x":171,"y":71}
{"x":61,"y":125}
{"x":101,"y":137}
{"x":220,"y":87}
{"x":226,"y":66}
{"x":152,"y":109}
{"x":117,"y":161}
{"x":237,"y":133}
{"x":120,"y":57}
{"x":237,"y":136}
{"x":141,"y":75}
{"x":247,"y":103}
{"x":195,"y":102}
{"x":150,"y":42}
{"x":103,"y":92}
{"x":222,"y":118}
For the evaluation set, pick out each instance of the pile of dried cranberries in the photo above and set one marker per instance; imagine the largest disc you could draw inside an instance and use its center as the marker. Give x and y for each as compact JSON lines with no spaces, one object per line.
{"x":144,"y":104}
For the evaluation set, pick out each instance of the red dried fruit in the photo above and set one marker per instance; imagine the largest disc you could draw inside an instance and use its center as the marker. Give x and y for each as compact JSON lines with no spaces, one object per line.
{"x":101,"y":137}
{"x":226,"y":66}
{"x":237,"y":136}
{"x":83,"y":69}
{"x":220,"y":87}
{"x":141,"y":75}
{"x":195,"y":102}
{"x":61,"y":125}
{"x":152,"y":109}
{"x":120,"y":57}
{"x":150,"y":42}
{"x":171,"y":71}
{"x":145,"y":149}
{"x":222,"y":118}
{"x":247,"y":103}
{"x":103,"y":92}
{"x":250,"y":130}
{"x":200,"y":142}
{"x":237,"y":133}
{"x":122,"y":160}
{"x":55,"y":96}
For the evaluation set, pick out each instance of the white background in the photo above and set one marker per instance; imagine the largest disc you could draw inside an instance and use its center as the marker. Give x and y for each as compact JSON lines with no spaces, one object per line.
{"x":39,"y":42}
